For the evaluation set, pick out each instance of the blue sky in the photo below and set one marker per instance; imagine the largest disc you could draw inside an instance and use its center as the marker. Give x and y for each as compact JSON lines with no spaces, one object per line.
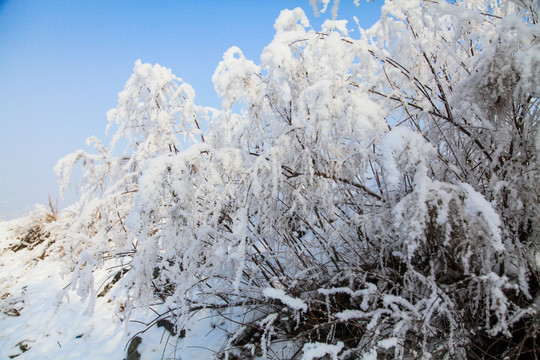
{"x":63,"y":62}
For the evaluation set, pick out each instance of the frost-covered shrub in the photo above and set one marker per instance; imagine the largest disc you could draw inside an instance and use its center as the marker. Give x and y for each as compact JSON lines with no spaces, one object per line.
{"x":371,"y":197}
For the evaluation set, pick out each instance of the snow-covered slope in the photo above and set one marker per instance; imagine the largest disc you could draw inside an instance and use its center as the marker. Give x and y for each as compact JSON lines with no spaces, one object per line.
{"x":41,"y":320}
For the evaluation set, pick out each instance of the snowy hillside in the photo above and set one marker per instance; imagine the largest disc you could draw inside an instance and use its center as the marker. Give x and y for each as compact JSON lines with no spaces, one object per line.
{"x":42,"y":321}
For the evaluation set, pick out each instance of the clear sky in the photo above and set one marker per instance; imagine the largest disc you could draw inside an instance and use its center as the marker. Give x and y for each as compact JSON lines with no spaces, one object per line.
{"x":63,"y":62}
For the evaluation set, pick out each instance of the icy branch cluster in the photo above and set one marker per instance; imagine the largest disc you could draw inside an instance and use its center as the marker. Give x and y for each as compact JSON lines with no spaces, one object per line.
{"x":371,"y":197}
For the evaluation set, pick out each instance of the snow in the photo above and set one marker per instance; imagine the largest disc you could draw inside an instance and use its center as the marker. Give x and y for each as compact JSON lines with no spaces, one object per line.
{"x":477,"y":205}
{"x":54,"y":324}
{"x":339,"y":25}
{"x":404,"y":150}
{"x":347,"y":315}
{"x":388,"y":343}
{"x":289,"y":20}
{"x":49,"y":330}
{"x":279,"y":294}
{"x":337,"y":167}
{"x":313,"y":351}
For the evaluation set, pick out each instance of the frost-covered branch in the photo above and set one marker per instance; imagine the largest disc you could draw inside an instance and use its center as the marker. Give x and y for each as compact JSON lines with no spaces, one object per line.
{"x":369,"y":197}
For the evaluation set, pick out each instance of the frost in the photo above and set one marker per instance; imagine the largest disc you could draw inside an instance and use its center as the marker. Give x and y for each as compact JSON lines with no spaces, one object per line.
{"x":371,"y":355}
{"x":336,"y":25}
{"x":350,"y":315}
{"x":404,"y":150}
{"x":388,"y":343}
{"x":476,"y":205}
{"x":291,"y":20}
{"x":388,"y":181}
{"x":232,"y":75}
{"x":314,"y":4}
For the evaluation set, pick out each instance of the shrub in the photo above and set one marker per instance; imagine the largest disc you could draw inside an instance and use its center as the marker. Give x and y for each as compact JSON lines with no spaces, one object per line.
{"x":372,"y":198}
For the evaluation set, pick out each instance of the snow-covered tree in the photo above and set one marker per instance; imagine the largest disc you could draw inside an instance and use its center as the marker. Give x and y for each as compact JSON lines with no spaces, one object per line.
{"x":155,"y":115}
{"x":357,"y":197}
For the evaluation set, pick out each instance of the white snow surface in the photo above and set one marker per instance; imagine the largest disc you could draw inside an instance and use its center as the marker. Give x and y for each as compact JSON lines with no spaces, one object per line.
{"x":317,"y":350}
{"x":48,"y":323}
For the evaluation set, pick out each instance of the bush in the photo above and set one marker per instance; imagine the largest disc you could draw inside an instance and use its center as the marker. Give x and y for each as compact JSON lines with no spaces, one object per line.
{"x":372,"y":198}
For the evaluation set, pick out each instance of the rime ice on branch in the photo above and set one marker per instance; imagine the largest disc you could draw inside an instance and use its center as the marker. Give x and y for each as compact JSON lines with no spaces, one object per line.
{"x":369,"y":197}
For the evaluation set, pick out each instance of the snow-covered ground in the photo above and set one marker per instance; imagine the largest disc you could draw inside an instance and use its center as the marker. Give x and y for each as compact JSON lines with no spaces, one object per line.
{"x":39,"y":320}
